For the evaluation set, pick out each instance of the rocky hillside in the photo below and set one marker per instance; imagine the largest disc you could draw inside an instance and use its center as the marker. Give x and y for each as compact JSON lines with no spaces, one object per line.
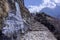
{"x":53,"y":24}
{"x":39,"y":27}
{"x":8,"y":5}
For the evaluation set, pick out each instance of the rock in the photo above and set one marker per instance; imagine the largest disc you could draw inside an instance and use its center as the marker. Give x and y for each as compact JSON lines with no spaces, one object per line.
{"x":38,"y":32}
{"x":53,"y":24}
{"x":7,"y":5}
{"x":3,"y":11}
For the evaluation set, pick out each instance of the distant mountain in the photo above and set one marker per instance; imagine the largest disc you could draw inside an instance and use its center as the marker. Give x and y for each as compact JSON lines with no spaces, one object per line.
{"x":52,"y":12}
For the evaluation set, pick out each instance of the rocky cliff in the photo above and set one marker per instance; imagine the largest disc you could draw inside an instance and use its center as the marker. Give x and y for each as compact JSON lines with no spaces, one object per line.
{"x":3,"y":10}
{"x":8,"y":5}
{"x":40,"y":26}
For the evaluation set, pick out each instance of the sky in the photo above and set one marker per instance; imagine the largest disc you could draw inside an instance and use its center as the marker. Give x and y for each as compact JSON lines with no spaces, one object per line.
{"x":50,"y":7}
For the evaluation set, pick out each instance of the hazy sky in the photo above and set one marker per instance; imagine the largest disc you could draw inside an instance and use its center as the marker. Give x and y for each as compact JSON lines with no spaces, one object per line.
{"x":51,"y":7}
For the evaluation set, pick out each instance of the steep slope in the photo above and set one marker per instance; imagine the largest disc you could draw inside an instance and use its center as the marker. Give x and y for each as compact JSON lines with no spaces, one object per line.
{"x":38,"y":32}
{"x":51,"y":23}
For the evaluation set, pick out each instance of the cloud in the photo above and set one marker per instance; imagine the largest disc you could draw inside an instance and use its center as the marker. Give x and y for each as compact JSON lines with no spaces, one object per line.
{"x":45,"y":3}
{"x":35,"y":9}
{"x":57,"y":1}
